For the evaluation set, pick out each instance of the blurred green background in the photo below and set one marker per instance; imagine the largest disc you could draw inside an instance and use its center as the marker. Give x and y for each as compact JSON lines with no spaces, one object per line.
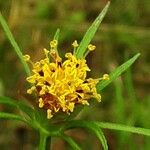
{"x":123,"y":33}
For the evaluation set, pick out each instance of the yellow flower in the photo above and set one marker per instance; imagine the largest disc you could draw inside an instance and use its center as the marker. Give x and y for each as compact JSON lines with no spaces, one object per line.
{"x":61,"y":85}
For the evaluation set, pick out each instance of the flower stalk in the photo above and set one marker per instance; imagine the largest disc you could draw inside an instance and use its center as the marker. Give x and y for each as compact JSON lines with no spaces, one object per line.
{"x":45,"y":142}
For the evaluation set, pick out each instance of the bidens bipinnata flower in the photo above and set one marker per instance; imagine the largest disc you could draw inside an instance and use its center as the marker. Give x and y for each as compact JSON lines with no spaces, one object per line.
{"x":61,"y":85}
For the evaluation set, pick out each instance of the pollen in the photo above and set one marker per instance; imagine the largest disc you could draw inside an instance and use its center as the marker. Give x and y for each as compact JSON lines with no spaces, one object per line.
{"x":61,"y":85}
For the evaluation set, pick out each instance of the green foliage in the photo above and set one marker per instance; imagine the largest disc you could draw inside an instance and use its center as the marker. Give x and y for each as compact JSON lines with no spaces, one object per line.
{"x":90,"y":33}
{"x":71,"y":142}
{"x":91,"y":126}
{"x":17,"y":104}
{"x":125,"y":128}
{"x":4,"y":115}
{"x":14,"y":44}
{"x":37,"y":119}
{"x":117,"y":72}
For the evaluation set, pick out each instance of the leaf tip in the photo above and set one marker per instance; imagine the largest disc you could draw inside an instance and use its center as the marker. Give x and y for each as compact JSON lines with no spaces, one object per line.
{"x":56,"y":36}
{"x":137,"y":55}
{"x":107,"y":5}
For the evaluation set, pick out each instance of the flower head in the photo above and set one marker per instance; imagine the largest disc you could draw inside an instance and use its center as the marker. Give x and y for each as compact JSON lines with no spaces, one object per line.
{"x":61,"y":85}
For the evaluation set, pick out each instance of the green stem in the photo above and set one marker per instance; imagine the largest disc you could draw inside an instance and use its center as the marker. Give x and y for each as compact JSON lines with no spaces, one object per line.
{"x":44,"y":145}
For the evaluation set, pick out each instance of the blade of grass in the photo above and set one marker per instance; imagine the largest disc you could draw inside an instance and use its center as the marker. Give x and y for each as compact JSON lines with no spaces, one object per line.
{"x":17,"y":104}
{"x":90,"y":33}
{"x":14,"y":43}
{"x":91,"y":126}
{"x":131,"y":96}
{"x":71,"y":142}
{"x":131,"y":129}
{"x":8,"y":101}
{"x":119,"y":101}
{"x":119,"y":108}
{"x":117,"y":72}
{"x":4,"y":115}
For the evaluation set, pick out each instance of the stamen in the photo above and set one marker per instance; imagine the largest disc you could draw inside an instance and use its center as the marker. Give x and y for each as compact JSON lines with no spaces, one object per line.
{"x":41,"y":103}
{"x":26,"y":58}
{"x":91,"y":47}
{"x":75,"y":44}
{"x":30,"y":91}
{"x":49,"y":114}
{"x":53,"y":44}
{"x":106,"y":77}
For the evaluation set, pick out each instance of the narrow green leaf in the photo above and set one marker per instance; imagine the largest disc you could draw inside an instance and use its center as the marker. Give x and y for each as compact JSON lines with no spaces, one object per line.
{"x":71,"y":142}
{"x":26,"y":109}
{"x":17,"y":104}
{"x":131,"y":129}
{"x":119,"y":104}
{"x":56,"y":36}
{"x":40,"y":117}
{"x":8,"y":101}
{"x":90,"y":33}
{"x":92,"y":126}
{"x":14,"y":43}
{"x":117,"y":72}
{"x":4,"y":115}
